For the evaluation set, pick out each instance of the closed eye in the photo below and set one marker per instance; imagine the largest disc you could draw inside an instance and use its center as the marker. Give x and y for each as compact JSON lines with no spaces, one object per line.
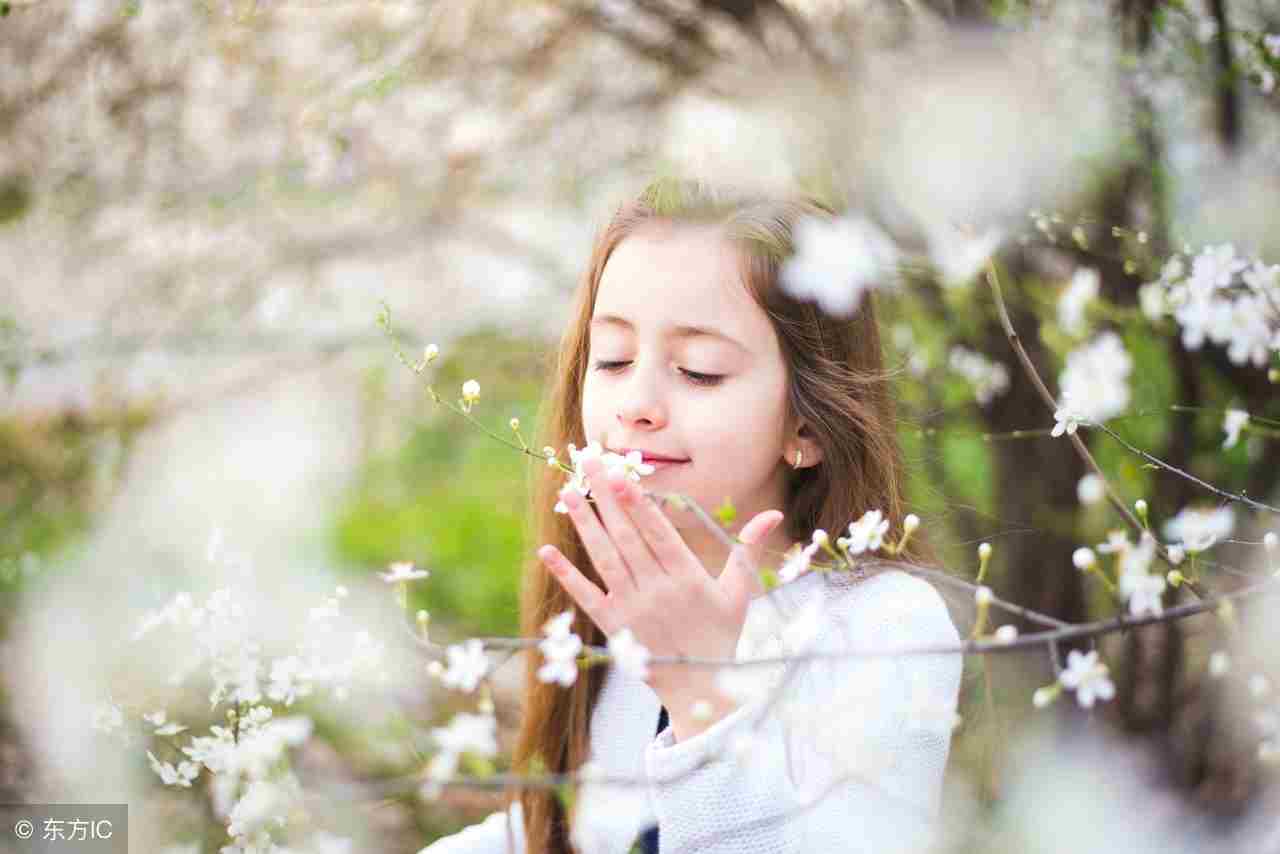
{"x":693,"y":376}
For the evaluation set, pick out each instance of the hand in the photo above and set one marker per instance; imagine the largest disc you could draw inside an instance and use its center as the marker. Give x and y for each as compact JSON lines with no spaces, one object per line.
{"x":655,"y":585}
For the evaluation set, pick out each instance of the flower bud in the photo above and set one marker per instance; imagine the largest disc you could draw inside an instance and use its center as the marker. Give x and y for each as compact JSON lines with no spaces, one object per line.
{"x":1259,"y":686}
{"x":1176,"y":554}
{"x":1270,"y":541}
{"x":429,"y":355}
{"x":1044,"y":696}
{"x":1175,"y":578}
{"x":984,"y":551}
{"x":820,"y":537}
{"x":912,"y":522}
{"x":1219,"y":664}
{"x":1084,"y":558}
{"x":1007,"y":633}
{"x":471,"y":391}
{"x":1140,"y":507}
{"x":982,"y":595}
{"x":515,"y":424}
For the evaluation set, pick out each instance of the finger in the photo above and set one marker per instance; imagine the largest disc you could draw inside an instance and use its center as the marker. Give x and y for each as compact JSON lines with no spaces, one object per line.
{"x":609,"y":563}
{"x":739,"y":580}
{"x":663,"y":539}
{"x":642,"y":562}
{"x":590,"y":597}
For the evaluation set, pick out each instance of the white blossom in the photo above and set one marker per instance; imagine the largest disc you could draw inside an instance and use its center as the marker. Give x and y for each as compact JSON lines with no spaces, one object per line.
{"x":1088,"y":677}
{"x":867,"y":534}
{"x":467,"y":665}
{"x":262,"y":803}
{"x":578,"y":480}
{"x":631,"y":656}
{"x":1091,"y":489}
{"x":797,"y":562}
{"x":163,"y":726}
{"x":1199,"y":529}
{"x":106,"y":717}
{"x":1094,"y":383}
{"x":1232,"y":423}
{"x":1082,"y":290}
{"x":1083,"y":558}
{"x":1227,"y":300}
{"x":181,"y":775}
{"x":465,"y":734}
{"x":403,"y":571}
{"x":837,"y":261}
{"x":289,"y":680}
{"x":560,"y":649}
{"x":1117,"y":541}
{"x":632,"y":465}
{"x":1066,"y":419}
{"x":988,"y":378}
{"x":1136,"y":560}
{"x":1143,"y":591}
{"x":959,"y":257}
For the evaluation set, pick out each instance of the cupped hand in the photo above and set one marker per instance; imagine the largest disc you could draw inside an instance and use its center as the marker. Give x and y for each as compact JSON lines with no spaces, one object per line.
{"x":654,"y":584}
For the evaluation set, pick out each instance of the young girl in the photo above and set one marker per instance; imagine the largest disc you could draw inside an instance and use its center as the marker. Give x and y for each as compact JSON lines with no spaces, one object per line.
{"x":684,"y":345}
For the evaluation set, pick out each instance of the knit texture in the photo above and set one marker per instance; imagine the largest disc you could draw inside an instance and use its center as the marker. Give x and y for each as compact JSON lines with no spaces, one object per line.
{"x":848,"y":757}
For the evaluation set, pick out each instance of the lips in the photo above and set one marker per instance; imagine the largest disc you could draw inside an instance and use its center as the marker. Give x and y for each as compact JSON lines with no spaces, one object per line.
{"x":653,"y":458}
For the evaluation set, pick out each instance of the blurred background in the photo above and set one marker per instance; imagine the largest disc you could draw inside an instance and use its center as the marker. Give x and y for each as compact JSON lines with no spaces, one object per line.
{"x":204,"y":206}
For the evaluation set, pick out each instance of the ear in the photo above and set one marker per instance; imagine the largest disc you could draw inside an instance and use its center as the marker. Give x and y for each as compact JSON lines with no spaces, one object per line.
{"x":801,"y":439}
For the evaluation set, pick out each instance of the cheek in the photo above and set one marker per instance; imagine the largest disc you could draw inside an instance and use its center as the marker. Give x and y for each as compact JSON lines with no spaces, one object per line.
{"x":595,"y":412}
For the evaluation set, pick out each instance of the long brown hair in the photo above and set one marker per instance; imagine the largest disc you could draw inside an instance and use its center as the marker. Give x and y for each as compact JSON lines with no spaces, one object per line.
{"x":837,"y":384}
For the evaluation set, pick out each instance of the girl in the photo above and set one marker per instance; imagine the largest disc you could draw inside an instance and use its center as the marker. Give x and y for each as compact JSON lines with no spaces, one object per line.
{"x":684,"y":345}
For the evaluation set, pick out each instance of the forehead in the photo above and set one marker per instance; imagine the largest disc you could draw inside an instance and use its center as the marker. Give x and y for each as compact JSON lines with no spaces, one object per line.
{"x":661,"y":277}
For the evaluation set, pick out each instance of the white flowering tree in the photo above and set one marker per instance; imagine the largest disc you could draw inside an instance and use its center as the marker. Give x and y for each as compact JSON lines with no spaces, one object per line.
{"x":1065,"y":207}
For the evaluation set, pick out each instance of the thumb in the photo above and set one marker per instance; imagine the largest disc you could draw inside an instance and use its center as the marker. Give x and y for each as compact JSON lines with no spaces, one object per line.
{"x":739,"y":580}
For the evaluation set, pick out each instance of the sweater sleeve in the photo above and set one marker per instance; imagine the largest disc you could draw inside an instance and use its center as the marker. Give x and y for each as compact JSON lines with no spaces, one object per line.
{"x":494,"y":835}
{"x":851,"y":760}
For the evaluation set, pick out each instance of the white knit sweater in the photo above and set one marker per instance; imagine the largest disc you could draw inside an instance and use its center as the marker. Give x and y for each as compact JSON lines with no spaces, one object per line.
{"x":852,"y":761}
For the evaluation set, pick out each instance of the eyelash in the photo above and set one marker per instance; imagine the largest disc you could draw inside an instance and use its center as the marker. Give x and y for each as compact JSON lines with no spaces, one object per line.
{"x":693,"y":376}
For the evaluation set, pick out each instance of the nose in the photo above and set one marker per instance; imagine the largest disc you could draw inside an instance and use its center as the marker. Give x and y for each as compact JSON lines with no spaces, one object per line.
{"x":641,"y":402}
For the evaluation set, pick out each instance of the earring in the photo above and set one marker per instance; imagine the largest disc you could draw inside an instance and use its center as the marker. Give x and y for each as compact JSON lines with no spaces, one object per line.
{"x":799,"y":456}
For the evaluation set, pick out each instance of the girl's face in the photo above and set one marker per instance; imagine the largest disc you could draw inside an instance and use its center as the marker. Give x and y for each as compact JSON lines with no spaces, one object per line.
{"x":684,"y":364}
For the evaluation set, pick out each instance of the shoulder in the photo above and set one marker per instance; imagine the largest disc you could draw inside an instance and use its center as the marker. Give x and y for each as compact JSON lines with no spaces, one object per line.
{"x":892,"y":604}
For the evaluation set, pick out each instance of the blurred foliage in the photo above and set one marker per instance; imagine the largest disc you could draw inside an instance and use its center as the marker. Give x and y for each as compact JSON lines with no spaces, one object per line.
{"x":55,"y":471}
{"x":451,"y":498}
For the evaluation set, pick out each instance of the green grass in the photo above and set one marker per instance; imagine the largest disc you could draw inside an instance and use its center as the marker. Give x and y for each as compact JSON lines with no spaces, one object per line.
{"x":452,"y":499}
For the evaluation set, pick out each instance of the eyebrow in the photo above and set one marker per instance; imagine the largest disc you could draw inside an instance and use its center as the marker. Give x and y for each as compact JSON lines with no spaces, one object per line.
{"x":682,"y":330}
